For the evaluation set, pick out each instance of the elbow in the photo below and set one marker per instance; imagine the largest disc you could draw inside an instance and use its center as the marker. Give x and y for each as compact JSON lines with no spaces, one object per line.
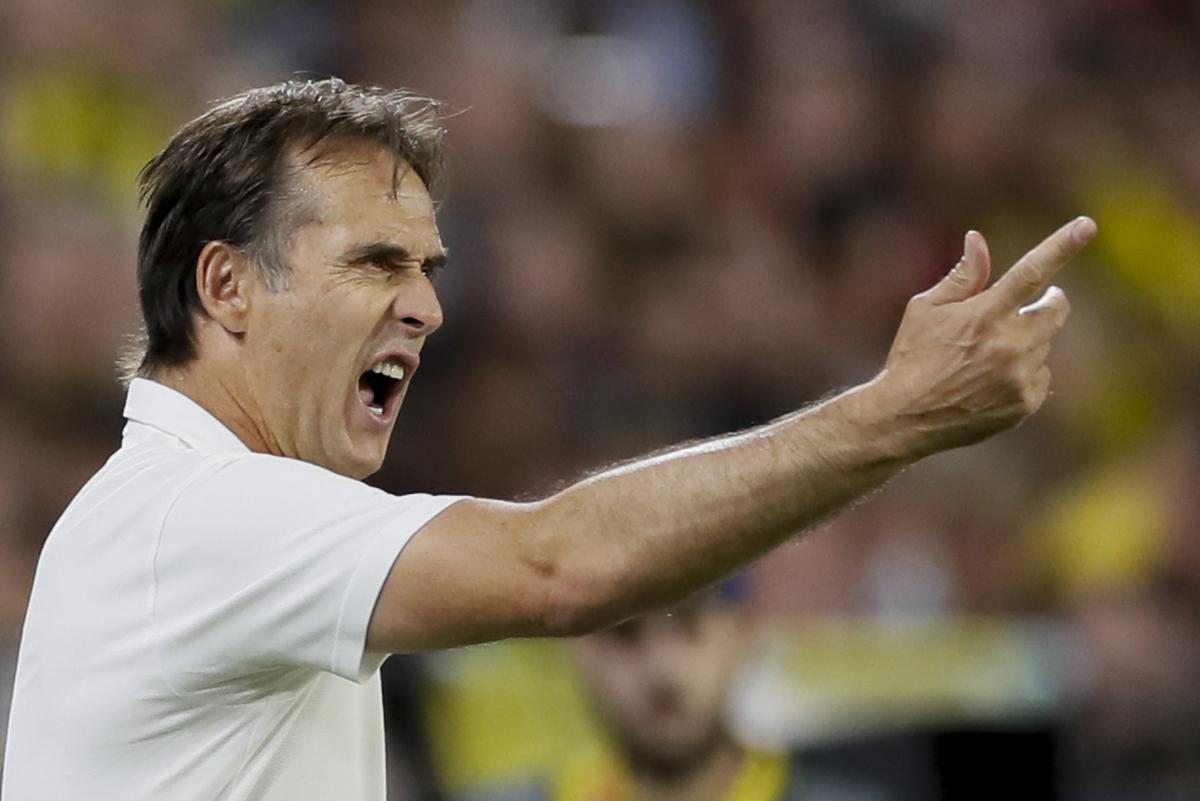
{"x":574,"y":600}
{"x":574,"y":590}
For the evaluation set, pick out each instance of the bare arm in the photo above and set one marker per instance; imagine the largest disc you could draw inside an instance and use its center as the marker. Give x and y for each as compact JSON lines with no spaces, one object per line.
{"x":967,"y":362}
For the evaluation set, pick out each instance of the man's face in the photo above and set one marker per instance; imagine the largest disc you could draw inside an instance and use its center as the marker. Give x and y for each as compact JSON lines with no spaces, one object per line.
{"x":660,"y":682}
{"x":328,"y":359}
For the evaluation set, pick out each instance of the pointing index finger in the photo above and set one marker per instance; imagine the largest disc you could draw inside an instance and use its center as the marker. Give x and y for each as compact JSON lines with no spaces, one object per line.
{"x":1030,"y":276}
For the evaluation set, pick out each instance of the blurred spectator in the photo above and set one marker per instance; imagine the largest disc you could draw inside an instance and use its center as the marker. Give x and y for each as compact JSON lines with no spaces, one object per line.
{"x":660,"y":685}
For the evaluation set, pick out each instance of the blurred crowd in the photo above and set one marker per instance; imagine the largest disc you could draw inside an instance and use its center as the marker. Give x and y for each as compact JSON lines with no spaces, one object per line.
{"x":668,"y":219}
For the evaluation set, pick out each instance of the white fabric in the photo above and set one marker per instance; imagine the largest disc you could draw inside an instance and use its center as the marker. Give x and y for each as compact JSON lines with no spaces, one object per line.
{"x":198,"y":623}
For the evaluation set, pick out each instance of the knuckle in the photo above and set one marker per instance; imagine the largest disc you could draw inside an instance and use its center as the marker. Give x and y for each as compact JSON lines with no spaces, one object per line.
{"x":958,"y":275}
{"x":1042,"y":330}
{"x":1027,"y":277}
{"x":1031,"y":400}
{"x":1056,"y":298}
{"x":1064,"y":246}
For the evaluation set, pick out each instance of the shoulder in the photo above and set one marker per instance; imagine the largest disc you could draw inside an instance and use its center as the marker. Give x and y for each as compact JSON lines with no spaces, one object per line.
{"x":261,"y":468}
{"x":254,"y":504}
{"x":249,"y":486}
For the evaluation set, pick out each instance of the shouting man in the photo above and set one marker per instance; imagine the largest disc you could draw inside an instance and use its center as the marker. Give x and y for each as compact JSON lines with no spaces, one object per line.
{"x":210,"y":612}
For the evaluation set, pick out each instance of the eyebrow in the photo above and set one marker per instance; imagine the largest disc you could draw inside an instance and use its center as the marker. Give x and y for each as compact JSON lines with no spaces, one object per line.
{"x":391,"y":251}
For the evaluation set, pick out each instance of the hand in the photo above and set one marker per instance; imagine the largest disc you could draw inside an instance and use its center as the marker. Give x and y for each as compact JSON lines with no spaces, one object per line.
{"x":970,"y":361}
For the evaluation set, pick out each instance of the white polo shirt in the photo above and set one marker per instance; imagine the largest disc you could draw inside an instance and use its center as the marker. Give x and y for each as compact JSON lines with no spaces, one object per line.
{"x":198,"y":623}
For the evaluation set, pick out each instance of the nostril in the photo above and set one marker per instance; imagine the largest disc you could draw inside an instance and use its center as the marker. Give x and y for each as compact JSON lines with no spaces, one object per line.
{"x":423,"y":323}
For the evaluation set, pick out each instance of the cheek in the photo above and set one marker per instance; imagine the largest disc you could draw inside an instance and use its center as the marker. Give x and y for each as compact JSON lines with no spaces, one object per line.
{"x":616,"y":681}
{"x":308,"y":325}
{"x":708,"y":683}
{"x":282,"y":311}
{"x":289,"y":344}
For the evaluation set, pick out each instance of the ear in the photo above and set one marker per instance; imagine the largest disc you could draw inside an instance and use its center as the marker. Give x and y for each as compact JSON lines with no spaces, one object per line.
{"x":225,"y":281}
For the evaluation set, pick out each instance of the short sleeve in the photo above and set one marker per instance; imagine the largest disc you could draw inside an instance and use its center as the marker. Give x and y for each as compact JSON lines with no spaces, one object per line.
{"x":265,"y":564}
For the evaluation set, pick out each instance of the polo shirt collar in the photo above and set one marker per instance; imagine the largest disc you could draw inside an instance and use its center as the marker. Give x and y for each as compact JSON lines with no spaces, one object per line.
{"x":177,"y":415}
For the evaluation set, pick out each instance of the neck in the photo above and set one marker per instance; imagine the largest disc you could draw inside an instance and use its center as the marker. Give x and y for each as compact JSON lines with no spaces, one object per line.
{"x":708,"y":779}
{"x":220,"y":398}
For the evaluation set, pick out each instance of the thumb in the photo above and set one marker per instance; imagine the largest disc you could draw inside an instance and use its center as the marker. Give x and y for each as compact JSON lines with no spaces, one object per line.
{"x":969,"y":276}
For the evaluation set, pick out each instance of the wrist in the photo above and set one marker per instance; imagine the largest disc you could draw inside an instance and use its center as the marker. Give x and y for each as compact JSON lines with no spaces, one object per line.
{"x":875,"y":413}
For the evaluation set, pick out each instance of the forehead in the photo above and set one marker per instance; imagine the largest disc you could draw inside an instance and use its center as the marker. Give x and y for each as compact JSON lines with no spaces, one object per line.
{"x":359,"y":187}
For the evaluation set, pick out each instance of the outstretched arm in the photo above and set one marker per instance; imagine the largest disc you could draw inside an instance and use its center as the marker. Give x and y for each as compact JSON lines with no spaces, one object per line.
{"x":967,"y":362}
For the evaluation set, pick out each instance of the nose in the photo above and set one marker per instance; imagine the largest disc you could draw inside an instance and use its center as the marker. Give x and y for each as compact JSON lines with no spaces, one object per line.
{"x":418,"y":309}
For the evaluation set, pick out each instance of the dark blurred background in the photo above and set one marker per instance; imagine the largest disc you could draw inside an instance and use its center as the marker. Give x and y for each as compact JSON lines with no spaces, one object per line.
{"x":668,"y":219}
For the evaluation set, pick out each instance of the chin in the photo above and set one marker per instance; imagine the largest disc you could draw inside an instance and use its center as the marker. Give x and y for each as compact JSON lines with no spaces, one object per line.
{"x":358,"y":465}
{"x":363,"y":469}
{"x":668,"y":756}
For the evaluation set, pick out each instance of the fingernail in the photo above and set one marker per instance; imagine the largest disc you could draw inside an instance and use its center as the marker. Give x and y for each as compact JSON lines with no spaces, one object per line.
{"x":967,"y":240}
{"x":1083,"y":230}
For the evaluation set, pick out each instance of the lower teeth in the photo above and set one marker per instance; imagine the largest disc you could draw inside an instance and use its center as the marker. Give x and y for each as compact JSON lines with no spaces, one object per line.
{"x":376,"y":409}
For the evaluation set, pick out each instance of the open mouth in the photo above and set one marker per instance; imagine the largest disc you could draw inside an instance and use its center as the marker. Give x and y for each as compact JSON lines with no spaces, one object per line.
{"x":379,"y":387}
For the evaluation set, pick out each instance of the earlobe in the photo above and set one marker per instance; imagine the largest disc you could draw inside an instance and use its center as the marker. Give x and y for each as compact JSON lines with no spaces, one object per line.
{"x":222,"y":282}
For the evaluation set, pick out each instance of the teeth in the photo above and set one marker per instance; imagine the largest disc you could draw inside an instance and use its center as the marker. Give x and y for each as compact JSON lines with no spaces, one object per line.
{"x":390,"y":369}
{"x":376,"y":408}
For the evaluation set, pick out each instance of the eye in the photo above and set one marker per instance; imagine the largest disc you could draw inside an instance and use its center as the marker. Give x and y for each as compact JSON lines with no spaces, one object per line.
{"x":392,"y":265}
{"x":382,"y":263}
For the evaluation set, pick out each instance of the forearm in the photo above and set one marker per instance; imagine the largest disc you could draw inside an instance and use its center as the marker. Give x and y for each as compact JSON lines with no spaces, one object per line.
{"x":967,"y":363}
{"x":655,"y":530}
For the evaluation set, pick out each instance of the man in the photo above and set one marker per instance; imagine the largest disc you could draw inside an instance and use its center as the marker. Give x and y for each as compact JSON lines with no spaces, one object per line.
{"x":660,"y":685}
{"x":210,"y":612}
